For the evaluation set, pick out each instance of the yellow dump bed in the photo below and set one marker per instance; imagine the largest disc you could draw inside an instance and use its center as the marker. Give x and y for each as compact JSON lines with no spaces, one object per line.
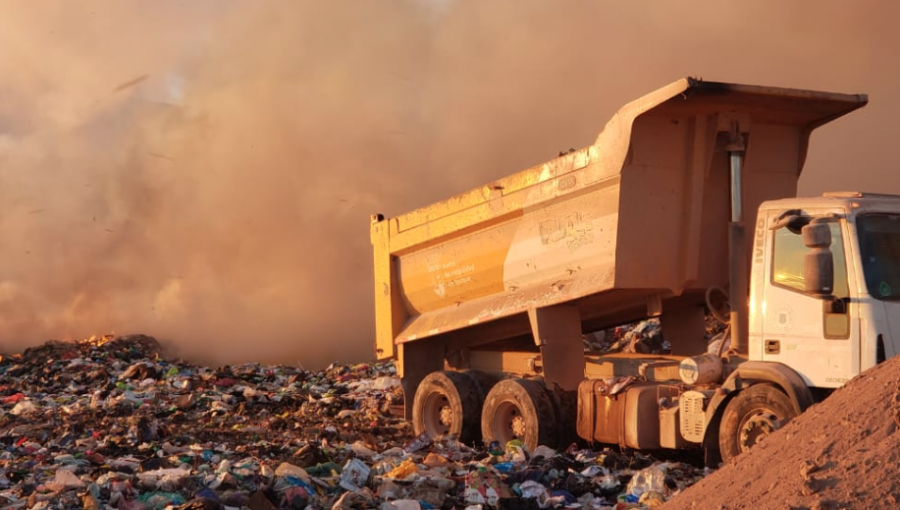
{"x":616,"y":228}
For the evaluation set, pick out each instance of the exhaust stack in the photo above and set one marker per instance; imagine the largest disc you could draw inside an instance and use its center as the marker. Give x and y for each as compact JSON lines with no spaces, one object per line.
{"x":737,"y":268}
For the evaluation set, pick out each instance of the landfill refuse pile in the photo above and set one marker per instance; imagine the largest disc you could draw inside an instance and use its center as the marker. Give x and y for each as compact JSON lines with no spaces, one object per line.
{"x":110,"y":423}
{"x":643,"y":337}
{"x":843,"y":453}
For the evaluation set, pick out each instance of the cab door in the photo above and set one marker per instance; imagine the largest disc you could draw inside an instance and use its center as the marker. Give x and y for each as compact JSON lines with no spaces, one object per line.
{"x":814,"y":336}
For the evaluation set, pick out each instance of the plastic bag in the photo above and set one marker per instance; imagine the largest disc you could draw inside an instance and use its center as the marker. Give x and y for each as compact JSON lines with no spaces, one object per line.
{"x":287,"y":469}
{"x":482,"y":487}
{"x":533,"y":490}
{"x":23,"y":408}
{"x":406,"y":468}
{"x":651,"y":479}
{"x":420,"y":442}
{"x":354,"y":475}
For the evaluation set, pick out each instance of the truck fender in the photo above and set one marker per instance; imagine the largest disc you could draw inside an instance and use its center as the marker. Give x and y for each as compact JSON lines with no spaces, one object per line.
{"x":747,"y":374}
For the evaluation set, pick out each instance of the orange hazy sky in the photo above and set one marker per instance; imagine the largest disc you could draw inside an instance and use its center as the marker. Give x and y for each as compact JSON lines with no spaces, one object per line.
{"x":204,"y":171}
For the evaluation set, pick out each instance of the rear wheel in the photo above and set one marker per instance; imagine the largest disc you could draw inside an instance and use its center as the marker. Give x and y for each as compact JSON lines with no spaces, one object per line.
{"x":518,"y":409}
{"x":447,"y":404}
{"x":750,"y":417}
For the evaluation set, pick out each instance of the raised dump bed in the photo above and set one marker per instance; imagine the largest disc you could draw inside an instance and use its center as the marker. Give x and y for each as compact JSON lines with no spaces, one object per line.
{"x":632,"y":224}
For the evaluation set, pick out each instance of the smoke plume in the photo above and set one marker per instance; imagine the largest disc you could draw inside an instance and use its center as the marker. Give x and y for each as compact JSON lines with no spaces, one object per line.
{"x":204,"y":172}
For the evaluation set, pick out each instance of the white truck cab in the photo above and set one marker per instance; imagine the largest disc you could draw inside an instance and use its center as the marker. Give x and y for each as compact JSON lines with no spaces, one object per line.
{"x":829,"y":339}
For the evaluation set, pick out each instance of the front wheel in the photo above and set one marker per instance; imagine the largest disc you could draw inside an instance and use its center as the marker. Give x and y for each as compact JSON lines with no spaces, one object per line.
{"x":518,"y":409}
{"x":750,"y":417}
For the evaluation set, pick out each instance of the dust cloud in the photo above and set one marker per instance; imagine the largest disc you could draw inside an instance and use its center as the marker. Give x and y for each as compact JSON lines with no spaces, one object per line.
{"x":204,"y":172}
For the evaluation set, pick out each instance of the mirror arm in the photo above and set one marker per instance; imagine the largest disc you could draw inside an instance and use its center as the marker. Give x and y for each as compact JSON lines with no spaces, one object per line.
{"x":833,"y":304}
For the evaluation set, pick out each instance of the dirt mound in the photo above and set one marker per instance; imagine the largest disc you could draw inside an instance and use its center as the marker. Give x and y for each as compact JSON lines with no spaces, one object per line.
{"x":841,"y":453}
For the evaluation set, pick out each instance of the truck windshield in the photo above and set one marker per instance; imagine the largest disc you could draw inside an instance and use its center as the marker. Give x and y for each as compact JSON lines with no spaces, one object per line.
{"x":879,"y":242}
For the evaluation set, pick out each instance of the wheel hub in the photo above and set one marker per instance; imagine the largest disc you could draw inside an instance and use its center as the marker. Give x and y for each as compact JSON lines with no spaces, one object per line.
{"x":438,"y":414}
{"x":508,"y":423}
{"x":446,"y":416}
{"x":518,"y":426}
{"x":757,"y":428}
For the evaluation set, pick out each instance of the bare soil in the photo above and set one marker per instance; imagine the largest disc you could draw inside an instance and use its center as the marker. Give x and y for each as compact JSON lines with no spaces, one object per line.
{"x":843,"y":453}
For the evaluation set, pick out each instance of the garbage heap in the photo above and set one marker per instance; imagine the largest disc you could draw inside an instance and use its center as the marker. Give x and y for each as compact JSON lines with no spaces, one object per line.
{"x":110,"y":423}
{"x":642,"y":337}
{"x":645,"y":337}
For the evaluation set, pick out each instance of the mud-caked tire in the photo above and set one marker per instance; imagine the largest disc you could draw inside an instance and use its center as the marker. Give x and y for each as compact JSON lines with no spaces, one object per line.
{"x":750,"y":417}
{"x":447,"y":404}
{"x":518,"y":409}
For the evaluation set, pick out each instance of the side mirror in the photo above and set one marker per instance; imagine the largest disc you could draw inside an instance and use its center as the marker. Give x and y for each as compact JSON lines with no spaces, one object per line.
{"x":793,"y":219}
{"x":818,"y":263}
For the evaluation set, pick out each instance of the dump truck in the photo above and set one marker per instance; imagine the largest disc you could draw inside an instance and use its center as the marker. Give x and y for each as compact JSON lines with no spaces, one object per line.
{"x":683,"y":206}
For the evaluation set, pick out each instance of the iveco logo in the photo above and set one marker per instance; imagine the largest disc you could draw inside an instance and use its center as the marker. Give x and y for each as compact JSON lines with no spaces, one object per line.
{"x":760,"y":237}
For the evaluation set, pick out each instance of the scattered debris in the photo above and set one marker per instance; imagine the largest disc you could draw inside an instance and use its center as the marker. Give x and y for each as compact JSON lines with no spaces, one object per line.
{"x":645,"y":337}
{"x":642,"y":337}
{"x":111,"y":423}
